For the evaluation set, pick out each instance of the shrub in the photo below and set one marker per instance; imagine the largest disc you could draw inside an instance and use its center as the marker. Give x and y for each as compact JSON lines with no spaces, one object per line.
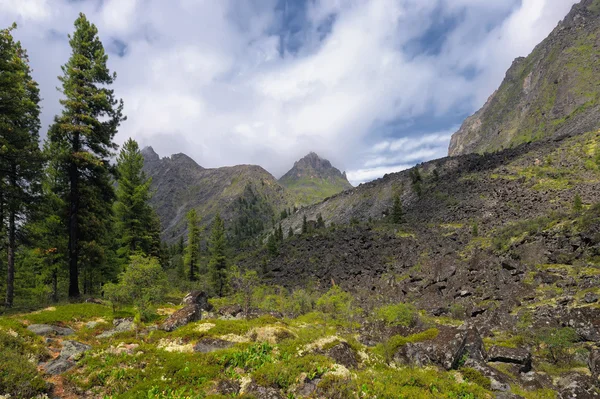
{"x":18,"y":376}
{"x":142,"y":284}
{"x":399,"y":314}
{"x":476,"y":377}
{"x":557,"y":342}
{"x":337,"y":303}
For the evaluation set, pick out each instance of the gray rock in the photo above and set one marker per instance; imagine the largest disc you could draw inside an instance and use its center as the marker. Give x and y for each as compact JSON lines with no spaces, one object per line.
{"x":92,"y":324}
{"x":518,"y":356}
{"x":590,"y":297}
{"x":343,"y":354}
{"x":594,"y":363}
{"x":58,"y":366}
{"x":120,"y":325}
{"x":49,"y":330}
{"x":199,"y":298}
{"x":73,"y":349}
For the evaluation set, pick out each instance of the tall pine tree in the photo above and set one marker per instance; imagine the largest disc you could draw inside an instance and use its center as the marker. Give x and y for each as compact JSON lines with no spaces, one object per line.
{"x":82,"y":139}
{"x":218,"y":259}
{"x":20,"y":156}
{"x":136,"y":222}
{"x":192,"y":252}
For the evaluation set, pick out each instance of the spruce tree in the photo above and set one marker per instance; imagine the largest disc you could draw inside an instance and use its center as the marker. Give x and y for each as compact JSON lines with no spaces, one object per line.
{"x":320,"y":222}
{"x":192,"y":252}
{"x":397,"y":212}
{"x":290,"y":232}
{"x":304,"y":225}
{"x":137,"y":225}
{"x":82,"y":139}
{"x":20,"y":156}
{"x":218,"y":259}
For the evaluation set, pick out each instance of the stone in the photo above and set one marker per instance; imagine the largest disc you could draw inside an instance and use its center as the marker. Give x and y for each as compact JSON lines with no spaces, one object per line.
{"x":343,"y":354}
{"x":120,"y":326}
{"x":94,"y":300}
{"x":199,"y":298}
{"x":521,"y":357}
{"x":49,"y":330}
{"x":262,"y":392}
{"x":182,"y":317}
{"x":73,"y":349}
{"x":207,"y":345}
{"x":58,"y":366}
{"x":128,"y":349}
{"x":449,"y":349}
{"x":590,"y":297}
{"x":575,"y":385}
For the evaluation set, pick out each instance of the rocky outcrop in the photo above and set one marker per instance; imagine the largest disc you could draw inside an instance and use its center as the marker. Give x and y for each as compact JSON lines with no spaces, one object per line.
{"x":519,"y":356}
{"x":70,"y":353}
{"x":183,"y":316}
{"x":49,"y":330}
{"x":542,"y":93}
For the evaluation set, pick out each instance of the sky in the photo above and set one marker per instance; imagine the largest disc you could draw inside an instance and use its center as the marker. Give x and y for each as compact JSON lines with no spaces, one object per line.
{"x":375,"y":86}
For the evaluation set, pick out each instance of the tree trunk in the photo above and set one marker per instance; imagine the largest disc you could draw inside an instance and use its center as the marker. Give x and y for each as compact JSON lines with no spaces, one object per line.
{"x":10,"y":270}
{"x":73,"y":224}
{"x":55,"y":285}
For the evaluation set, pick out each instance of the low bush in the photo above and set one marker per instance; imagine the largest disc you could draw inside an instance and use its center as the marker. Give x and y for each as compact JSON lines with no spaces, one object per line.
{"x":19,"y":377}
{"x":399,"y":314}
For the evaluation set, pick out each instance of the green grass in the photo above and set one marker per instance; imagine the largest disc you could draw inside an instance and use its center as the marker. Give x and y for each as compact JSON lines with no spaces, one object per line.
{"x":62,"y":314}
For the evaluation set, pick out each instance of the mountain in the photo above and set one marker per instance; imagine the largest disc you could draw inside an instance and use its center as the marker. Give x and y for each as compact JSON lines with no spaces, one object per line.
{"x":312,"y":179}
{"x":553,"y":92}
{"x":248,"y":197}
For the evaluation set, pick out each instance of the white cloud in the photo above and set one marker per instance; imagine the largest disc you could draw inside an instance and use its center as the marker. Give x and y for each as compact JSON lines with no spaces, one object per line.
{"x":207,"y":77}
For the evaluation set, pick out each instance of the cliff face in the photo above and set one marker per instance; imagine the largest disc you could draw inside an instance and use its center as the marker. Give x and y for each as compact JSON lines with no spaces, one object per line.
{"x":553,"y":92}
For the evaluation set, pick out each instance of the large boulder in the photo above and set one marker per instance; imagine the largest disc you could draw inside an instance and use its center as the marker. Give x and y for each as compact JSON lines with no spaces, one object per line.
{"x":519,"y":356}
{"x":343,"y":354}
{"x":450,"y":349}
{"x":49,"y":330}
{"x":70,"y":352}
{"x":199,"y":298}
{"x":182,"y":317}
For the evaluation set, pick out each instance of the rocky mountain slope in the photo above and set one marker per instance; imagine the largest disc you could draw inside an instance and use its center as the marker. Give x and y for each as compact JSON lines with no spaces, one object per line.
{"x":555,"y":91}
{"x":312,"y":179}
{"x":247,"y":196}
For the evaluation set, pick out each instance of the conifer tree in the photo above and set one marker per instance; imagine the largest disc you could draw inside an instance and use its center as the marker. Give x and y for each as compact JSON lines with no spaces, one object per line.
{"x":192,"y":252}
{"x":137,"y":225}
{"x":218,"y":259}
{"x":304,"y":225}
{"x":320,"y":222}
{"x":20,"y":156}
{"x":290,"y":232}
{"x":82,"y":140}
{"x":397,"y":212}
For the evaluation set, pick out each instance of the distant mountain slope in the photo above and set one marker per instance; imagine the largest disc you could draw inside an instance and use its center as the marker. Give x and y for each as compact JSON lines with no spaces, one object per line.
{"x":248,"y":197}
{"x":312,"y":179}
{"x":555,"y":91}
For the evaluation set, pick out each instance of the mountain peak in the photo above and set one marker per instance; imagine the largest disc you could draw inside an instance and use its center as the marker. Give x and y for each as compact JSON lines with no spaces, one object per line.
{"x":314,"y":178}
{"x":149,"y":154}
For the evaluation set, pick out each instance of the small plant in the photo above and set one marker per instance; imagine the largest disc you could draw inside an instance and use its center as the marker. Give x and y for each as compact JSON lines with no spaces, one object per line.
{"x":399,"y":314}
{"x":475,"y":229}
{"x":557,"y":342}
{"x":254,"y":357}
{"x":476,"y":377}
{"x":337,"y":303}
{"x":577,"y":204}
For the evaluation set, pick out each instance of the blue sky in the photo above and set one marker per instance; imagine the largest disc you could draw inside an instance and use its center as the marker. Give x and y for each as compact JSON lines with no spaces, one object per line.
{"x":375,"y":86}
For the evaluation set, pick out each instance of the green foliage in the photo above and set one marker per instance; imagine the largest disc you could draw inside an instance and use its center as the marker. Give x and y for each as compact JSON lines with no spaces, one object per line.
{"x":81,"y":142}
{"x":218,"y":261}
{"x":337,"y":303}
{"x":244,"y":283}
{"x":192,"y":252}
{"x":143,"y":283}
{"x":577,"y":203}
{"x":475,"y":229}
{"x":397,"y":214}
{"x":389,"y":348}
{"x":250,"y":359}
{"x":476,"y":377}
{"x":137,"y":225}
{"x":20,"y":156}
{"x":399,"y":314}
{"x":285,"y":373}
{"x":557,"y":342}
{"x":68,"y":313}
{"x":18,"y":375}
{"x":506,"y":236}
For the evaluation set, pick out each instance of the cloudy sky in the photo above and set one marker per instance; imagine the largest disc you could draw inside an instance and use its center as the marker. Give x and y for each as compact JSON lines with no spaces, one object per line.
{"x":375,"y":86}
